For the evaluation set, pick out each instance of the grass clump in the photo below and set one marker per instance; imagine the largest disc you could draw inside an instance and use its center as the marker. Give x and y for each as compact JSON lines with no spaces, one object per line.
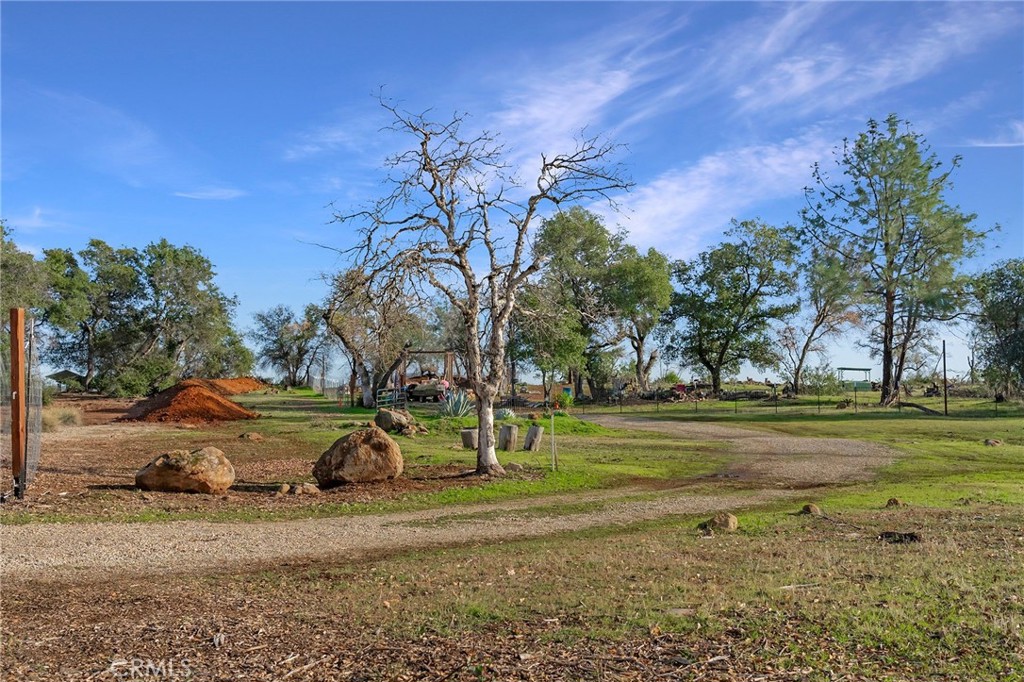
{"x":56,"y":418}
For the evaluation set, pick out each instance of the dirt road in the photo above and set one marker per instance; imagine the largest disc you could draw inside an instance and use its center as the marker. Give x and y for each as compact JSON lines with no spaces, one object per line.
{"x":778,"y":466}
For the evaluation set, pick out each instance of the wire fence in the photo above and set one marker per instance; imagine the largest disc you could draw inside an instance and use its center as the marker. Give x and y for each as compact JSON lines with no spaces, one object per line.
{"x":823,"y":406}
{"x":33,"y":401}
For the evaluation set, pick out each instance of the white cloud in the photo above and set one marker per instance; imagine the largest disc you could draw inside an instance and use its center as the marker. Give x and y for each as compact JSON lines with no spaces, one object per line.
{"x":38,"y":219}
{"x":1012,"y":135}
{"x":678,"y":210}
{"x":212,"y":193}
{"x":606,"y":81}
{"x":818,"y":74}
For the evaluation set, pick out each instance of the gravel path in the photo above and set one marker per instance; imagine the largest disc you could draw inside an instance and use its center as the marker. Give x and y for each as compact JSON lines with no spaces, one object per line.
{"x":772,"y":457}
{"x":89,"y":551}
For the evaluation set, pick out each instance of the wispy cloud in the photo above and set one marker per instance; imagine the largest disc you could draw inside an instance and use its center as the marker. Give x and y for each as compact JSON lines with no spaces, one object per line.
{"x":1012,"y":135}
{"x":816,"y":74}
{"x":213,"y":193}
{"x":606,"y":81}
{"x":681,"y":208}
{"x":38,"y":219}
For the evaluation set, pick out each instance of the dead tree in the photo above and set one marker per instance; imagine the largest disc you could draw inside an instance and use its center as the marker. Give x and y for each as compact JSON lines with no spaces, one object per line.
{"x":456,"y":221}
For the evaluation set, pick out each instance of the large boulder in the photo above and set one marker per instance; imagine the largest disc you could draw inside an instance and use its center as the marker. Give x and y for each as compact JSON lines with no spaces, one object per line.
{"x":180,"y":471}
{"x":360,"y":457}
{"x":393,"y":421}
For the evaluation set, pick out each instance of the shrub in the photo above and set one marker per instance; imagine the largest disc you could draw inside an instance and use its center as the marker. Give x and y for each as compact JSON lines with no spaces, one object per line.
{"x":564,"y":401}
{"x":55,"y":418}
{"x":505,"y":413}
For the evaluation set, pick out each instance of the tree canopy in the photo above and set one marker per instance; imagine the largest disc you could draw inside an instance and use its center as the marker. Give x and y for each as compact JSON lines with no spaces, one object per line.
{"x":729,"y":296}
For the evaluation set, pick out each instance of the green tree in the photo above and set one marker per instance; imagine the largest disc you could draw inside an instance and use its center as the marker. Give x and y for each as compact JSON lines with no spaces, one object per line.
{"x":95,"y":307}
{"x":136,"y":321}
{"x":639,"y":286}
{"x":549,"y":339}
{"x":23,"y":279}
{"x":829,"y":291}
{"x":580,"y":250}
{"x":999,"y":294}
{"x":728,"y":298}
{"x":888,"y":215}
{"x":288,"y":343}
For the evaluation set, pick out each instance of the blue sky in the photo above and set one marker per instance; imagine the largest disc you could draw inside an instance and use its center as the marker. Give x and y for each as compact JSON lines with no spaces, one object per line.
{"x":231,"y":126}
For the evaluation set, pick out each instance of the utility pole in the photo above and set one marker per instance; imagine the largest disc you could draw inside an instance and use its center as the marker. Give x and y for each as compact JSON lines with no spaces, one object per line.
{"x":945,"y":384}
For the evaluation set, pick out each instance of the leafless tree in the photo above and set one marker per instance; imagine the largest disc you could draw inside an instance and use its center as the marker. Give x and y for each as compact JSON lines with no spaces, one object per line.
{"x":375,"y":325}
{"x":455,"y":220}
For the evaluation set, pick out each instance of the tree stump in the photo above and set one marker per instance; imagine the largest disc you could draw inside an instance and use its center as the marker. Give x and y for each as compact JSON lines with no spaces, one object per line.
{"x":508,"y":437}
{"x":533,"y":437}
{"x":470,"y":438}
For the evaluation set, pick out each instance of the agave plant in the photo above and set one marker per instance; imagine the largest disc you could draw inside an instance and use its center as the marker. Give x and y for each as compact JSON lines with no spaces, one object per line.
{"x":505,"y":413}
{"x":458,"y":404}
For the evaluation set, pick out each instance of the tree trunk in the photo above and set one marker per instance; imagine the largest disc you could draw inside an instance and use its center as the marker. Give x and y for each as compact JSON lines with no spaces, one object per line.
{"x":486,"y":454}
{"x":889,"y":391}
{"x":716,"y":380}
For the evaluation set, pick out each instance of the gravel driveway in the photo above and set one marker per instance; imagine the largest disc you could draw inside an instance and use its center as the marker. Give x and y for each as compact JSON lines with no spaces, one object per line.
{"x":89,"y":551}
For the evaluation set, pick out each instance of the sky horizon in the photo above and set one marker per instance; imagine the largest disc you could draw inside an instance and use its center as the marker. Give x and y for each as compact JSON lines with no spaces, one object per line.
{"x":234,"y":126}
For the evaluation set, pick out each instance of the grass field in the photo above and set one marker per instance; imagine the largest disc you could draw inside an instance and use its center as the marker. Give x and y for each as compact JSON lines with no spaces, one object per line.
{"x":786,"y":597}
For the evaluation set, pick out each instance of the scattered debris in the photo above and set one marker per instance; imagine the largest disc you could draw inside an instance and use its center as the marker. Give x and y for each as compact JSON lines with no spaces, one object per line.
{"x":993,"y":442}
{"x":898,"y":538}
{"x":894,"y":502}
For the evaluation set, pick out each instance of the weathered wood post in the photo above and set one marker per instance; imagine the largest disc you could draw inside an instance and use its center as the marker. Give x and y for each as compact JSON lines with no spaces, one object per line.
{"x":18,"y":414}
{"x":533,"y":437}
{"x":508,"y":437}
{"x":470,"y":438}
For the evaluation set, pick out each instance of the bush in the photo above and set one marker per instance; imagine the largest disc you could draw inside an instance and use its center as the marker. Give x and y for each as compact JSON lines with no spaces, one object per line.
{"x":564,"y":401}
{"x":55,"y":418}
{"x":505,"y":413}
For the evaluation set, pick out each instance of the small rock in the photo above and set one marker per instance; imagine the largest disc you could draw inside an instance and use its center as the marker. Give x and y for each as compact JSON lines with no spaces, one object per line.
{"x":894,"y":502}
{"x":253,"y":436}
{"x":283,"y":489}
{"x":310,"y":489}
{"x":721,"y":521}
{"x":993,"y":442}
{"x":512,"y":466}
{"x":146,"y":496}
{"x":812,"y":509}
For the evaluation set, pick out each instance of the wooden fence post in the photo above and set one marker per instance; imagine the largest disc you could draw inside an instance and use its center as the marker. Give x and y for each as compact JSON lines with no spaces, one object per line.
{"x":18,"y":416}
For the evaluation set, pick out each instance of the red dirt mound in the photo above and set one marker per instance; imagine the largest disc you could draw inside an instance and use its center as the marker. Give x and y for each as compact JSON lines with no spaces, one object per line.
{"x":237,"y":385}
{"x":191,"y":401}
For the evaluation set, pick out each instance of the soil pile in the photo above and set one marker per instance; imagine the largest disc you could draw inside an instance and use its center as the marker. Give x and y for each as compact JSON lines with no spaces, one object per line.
{"x":194,"y":401}
{"x":236,"y":385}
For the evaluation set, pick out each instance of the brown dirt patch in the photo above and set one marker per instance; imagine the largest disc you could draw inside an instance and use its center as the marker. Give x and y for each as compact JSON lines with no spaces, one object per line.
{"x":95,"y":409}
